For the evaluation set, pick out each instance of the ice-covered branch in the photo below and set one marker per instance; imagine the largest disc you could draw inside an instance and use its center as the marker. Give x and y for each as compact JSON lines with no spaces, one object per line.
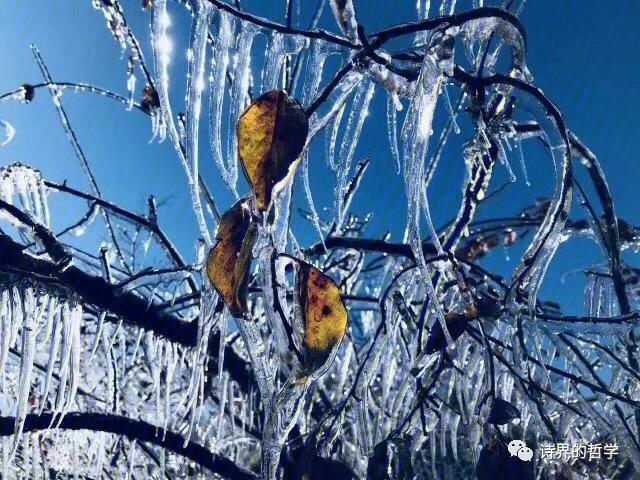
{"x":277,"y":27}
{"x":135,"y":430}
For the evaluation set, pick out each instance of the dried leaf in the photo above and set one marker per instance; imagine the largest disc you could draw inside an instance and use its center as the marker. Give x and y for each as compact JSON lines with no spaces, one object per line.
{"x":271,"y":135}
{"x":502,"y":412}
{"x":456,"y":323}
{"x":229,"y":260}
{"x":325,"y":316}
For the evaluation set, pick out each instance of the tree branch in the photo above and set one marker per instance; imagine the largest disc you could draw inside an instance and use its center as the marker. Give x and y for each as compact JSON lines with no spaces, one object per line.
{"x":133,"y":430}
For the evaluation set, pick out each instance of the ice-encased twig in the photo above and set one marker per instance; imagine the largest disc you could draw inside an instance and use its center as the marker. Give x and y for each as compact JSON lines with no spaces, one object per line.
{"x":392,"y":127}
{"x":357,"y":116}
{"x":281,"y":416}
{"x":254,"y":344}
{"x":529,"y":273}
{"x":416,"y":132}
{"x":320,"y":51}
{"x":162,"y":49}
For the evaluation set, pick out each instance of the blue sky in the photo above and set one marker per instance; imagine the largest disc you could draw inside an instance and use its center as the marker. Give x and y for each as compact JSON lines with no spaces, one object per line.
{"x":579,"y":53}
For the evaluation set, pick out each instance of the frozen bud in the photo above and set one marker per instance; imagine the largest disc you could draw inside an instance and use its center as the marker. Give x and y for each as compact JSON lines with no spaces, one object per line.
{"x":131,"y":63}
{"x":147,"y":4}
{"x":444,"y":48}
{"x":182,"y":124}
{"x":150,"y":100}
{"x":27,"y":92}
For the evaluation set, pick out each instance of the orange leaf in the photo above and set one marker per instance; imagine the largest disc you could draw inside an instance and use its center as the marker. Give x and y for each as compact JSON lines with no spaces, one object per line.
{"x":271,"y":135}
{"x":229,"y":260}
{"x":325,"y":316}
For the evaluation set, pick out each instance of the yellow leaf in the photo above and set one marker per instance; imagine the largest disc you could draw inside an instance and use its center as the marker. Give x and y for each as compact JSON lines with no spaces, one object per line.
{"x":325,"y":316}
{"x":271,"y":135}
{"x":229,"y":260}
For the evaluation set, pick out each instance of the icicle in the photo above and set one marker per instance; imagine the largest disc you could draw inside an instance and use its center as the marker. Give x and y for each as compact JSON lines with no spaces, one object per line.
{"x":98,"y":336}
{"x":27,"y":456}
{"x":422,"y":9}
{"x":239,"y":92}
{"x":332,"y":137}
{"x":131,"y":82}
{"x":281,"y":46}
{"x":336,"y":101}
{"x":532,"y":268}
{"x":232,"y":408}
{"x":345,"y":365}
{"x":265,"y":253}
{"x":65,"y":360}
{"x":132,"y":459}
{"x":315,"y":218}
{"x":6,"y":457}
{"x":222,"y":400}
{"x":502,"y":155}
{"x":320,"y":52}
{"x":17,"y":314}
{"x":255,"y":347}
{"x":221,"y":349}
{"x":156,"y":369}
{"x":27,"y":184}
{"x":273,"y":57}
{"x":171,"y":359}
{"x":444,"y":424}
{"x":28,"y":351}
{"x":136,"y":347}
{"x":281,"y":208}
{"x":42,"y":198}
{"x":5,"y":323}
{"x":194,"y":393}
{"x":195,"y":86}
{"x":478,"y":31}
{"x":359,"y":112}
{"x":416,"y":132}
{"x":454,"y":437}
{"x":217,"y":84}
{"x":364,"y":425}
{"x":523,"y":165}
{"x":432,"y":450}
{"x":9,"y":132}
{"x":53,"y":354}
{"x":76,"y":351}
{"x":452,"y":112}
{"x":392,"y":100}
{"x":281,"y":416}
